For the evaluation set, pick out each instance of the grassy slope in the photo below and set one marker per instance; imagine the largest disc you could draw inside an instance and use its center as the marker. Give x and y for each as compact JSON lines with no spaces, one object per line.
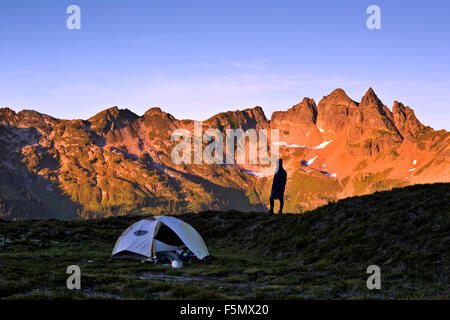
{"x":321,"y":254}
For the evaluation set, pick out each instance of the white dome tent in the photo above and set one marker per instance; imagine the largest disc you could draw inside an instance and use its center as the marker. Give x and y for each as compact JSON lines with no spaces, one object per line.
{"x":149,"y":236}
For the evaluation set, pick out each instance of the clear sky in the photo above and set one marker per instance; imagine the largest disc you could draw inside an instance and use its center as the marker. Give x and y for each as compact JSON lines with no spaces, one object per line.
{"x":195,"y":58}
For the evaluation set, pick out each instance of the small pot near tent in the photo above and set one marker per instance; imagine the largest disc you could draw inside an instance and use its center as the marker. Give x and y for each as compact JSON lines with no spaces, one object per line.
{"x":160,"y":239}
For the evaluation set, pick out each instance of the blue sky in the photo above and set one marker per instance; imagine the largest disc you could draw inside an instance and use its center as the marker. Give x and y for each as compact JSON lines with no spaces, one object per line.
{"x":196,"y":58}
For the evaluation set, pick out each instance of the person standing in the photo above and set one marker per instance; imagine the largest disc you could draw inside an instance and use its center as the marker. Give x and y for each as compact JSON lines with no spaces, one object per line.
{"x":278,"y":186}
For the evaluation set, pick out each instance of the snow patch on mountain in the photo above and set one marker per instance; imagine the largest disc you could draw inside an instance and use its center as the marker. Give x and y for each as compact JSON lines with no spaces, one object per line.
{"x":284,"y":144}
{"x":322,"y":145}
{"x":309,"y":162}
{"x":334,"y":175}
{"x":258,"y":174}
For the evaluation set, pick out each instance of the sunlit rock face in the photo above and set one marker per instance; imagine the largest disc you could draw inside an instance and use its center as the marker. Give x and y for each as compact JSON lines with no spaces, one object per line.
{"x":117,"y":161}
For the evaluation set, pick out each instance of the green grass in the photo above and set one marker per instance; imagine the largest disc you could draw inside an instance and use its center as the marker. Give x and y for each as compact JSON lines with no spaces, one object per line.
{"x":364,"y":182}
{"x":322,"y":254}
{"x":361,"y":165}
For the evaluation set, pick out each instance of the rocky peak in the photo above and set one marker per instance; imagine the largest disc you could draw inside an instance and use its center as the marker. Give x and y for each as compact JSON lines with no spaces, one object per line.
{"x":306,"y":102}
{"x":335,"y":111}
{"x":153,"y":111}
{"x":128,"y":165}
{"x":156,"y":114}
{"x":298,"y":120}
{"x":257,"y":113}
{"x":112,"y":119}
{"x":159,"y":124}
{"x":374,"y":122}
{"x":114,"y":111}
{"x":25,"y":118}
{"x":337,"y":98}
{"x":306,"y":109}
{"x":8,"y":116}
{"x":339,"y":93}
{"x":250,"y":118}
{"x":370,"y":98}
{"x":372,"y":108}
{"x":406,"y":121}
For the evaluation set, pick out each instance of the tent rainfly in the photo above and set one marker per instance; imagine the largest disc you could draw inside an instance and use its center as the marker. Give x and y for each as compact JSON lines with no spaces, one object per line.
{"x":149,"y":236}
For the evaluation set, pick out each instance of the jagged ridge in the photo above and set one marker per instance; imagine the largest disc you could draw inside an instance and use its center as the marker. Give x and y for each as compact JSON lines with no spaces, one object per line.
{"x":117,"y":161}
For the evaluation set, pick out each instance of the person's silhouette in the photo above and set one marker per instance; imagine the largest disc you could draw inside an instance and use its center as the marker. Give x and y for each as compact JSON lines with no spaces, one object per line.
{"x":278,"y":186}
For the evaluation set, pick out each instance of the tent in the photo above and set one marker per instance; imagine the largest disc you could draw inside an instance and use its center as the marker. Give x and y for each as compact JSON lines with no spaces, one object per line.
{"x":150,"y":236}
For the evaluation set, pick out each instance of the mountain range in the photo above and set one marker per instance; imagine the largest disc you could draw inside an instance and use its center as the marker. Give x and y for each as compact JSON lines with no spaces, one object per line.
{"x":118,"y":162}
